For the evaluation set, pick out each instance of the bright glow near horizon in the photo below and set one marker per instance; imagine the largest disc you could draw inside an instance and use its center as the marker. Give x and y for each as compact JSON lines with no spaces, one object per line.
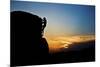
{"x":58,"y":43}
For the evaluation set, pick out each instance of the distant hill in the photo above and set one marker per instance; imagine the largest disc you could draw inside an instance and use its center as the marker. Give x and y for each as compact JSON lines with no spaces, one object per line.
{"x":78,"y":52}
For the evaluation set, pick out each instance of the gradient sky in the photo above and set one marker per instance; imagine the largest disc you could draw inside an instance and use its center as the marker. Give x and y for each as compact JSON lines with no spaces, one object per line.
{"x":63,"y":19}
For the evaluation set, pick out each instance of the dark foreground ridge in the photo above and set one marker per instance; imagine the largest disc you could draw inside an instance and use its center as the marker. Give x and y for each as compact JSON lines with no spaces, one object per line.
{"x":28,"y":47}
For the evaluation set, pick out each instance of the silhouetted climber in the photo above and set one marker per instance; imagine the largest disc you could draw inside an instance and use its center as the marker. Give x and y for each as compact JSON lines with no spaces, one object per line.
{"x":28,"y":47}
{"x":44,"y":24}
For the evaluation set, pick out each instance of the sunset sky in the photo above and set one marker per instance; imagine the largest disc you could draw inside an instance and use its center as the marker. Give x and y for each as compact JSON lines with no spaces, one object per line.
{"x":67,"y":23}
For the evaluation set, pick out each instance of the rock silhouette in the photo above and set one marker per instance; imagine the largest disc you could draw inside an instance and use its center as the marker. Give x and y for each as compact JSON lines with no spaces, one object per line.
{"x":28,"y":47}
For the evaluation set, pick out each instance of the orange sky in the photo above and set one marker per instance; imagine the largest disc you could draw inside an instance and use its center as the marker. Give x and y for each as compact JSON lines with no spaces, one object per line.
{"x":59,"y":42}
